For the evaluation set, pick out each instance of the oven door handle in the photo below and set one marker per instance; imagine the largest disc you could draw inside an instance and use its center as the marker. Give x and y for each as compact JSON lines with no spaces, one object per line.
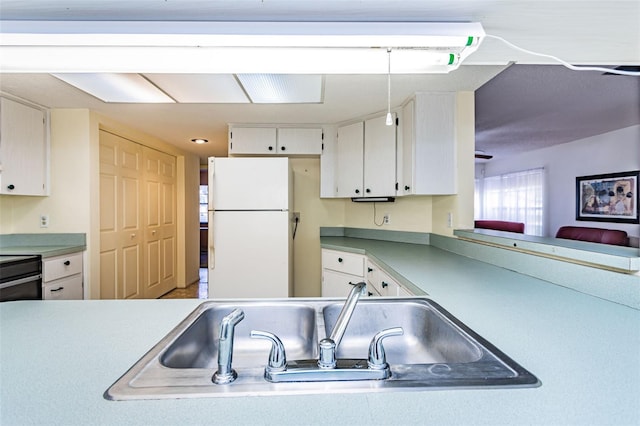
{"x":20,"y":281}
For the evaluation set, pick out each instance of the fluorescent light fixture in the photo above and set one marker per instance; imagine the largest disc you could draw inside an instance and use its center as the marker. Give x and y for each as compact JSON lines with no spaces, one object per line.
{"x":282,"y":88}
{"x":236,"y":47}
{"x":373,"y":199}
{"x":124,"y":88}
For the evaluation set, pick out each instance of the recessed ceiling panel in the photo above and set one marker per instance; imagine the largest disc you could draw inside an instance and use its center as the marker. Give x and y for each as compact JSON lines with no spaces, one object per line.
{"x":115,"y":87}
{"x":282,"y":88}
{"x":200,"y":88}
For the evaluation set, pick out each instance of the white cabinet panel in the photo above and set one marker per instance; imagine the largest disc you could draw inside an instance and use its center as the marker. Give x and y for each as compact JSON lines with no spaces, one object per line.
{"x":64,"y":289}
{"x":348,"y":263}
{"x":274,"y":140}
{"x":62,"y":277}
{"x":24,"y":157}
{"x":379,"y":158}
{"x":299,"y":141}
{"x":337,"y":284}
{"x":429,"y":145}
{"x":252,"y":140}
{"x":350,"y":160}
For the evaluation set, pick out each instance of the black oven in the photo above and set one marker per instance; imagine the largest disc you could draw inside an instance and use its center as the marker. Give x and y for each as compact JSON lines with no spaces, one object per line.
{"x":20,"y":278}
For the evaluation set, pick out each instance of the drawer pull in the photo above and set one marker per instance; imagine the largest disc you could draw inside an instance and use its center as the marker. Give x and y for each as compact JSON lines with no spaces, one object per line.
{"x":369,"y":270}
{"x":57,"y":289}
{"x":67,"y":262}
{"x":384,"y":285}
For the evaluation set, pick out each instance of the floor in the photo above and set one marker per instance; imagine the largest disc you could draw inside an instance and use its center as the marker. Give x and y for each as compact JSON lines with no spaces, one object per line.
{"x":199,"y":290}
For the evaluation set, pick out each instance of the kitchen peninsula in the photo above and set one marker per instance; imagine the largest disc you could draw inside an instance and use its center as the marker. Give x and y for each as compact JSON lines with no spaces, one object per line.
{"x":59,"y":357}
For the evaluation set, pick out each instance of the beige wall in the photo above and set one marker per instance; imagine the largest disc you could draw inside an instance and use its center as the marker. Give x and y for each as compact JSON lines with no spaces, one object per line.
{"x":73,"y":205}
{"x":461,"y":204}
{"x":314,"y":213}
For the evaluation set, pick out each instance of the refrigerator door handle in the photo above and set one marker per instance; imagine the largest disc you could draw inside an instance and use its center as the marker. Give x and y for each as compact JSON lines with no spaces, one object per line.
{"x":211,"y":258}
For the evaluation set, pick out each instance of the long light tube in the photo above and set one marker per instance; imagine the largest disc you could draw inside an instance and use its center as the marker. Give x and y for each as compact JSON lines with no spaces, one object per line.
{"x":234,"y":47}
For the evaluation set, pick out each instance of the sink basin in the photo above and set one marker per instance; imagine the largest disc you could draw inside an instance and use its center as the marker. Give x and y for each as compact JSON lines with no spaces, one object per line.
{"x":197,"y":346}
{"x":428,"y":336}
{"x":436,"y":351}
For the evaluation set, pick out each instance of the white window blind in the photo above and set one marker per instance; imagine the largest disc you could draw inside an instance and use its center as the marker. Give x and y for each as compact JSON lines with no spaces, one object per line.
{"x":517,"y":197}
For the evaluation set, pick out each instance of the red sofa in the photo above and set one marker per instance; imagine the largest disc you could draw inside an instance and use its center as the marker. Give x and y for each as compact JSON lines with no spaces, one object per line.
{"x":594,"y":235}
{"x":500,"y":225}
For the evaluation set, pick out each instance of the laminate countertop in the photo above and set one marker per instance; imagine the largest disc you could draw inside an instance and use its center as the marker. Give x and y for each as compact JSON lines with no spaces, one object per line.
{"x":58,"y":357}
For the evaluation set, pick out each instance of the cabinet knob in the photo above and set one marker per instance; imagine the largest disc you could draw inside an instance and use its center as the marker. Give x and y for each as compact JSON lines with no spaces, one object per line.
{"x":406,"y":188}
{"x":384,"y":285}
{"x":67,"y":262}
{"x":369,"y":293}
{"x":270,"y":148}
{"x":357,"y":191}
{"x":11,"y":187}
{"x":369,"y":270}
{"x":368,"y":191}
{"x":283,"y":148}
{"x":339,"y":260}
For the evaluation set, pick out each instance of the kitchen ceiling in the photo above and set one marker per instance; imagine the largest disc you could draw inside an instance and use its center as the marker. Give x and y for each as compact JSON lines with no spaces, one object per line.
{"x":523,"y":108}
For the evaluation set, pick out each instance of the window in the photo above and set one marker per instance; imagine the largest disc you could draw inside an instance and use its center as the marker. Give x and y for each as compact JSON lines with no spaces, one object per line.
{"x":204,"y":200}
{"x":517,"y":197}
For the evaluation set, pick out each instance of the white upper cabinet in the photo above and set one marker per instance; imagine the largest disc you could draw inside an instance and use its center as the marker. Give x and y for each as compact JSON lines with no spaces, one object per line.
{"x":275,"y":141}
{"x":379,"y":157}
{"x":349,"y":163}
{"x":428,"y":148}
{"x":24,"y":157}
{"x":299,"y":141}
{"x":252,"y":140}
{"x":364,"y":160}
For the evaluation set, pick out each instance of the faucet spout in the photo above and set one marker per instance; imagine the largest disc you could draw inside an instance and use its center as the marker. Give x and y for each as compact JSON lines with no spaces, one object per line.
{"x":329,"y":345}
{"x":345,"y":314}
{"x":225,"y":373}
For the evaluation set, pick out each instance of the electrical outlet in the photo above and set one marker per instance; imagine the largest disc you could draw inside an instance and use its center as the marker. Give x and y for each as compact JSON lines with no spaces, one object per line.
{"x":450,"y":220}
{"x":386,"y":219}
{"x":296,"y":217}
{"x":44,"y":221}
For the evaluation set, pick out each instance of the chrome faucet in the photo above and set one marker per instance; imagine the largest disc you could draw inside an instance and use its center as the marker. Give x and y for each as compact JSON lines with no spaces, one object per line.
{"x":329,"y":346}
{"x":225,"y":373}
{"x":327,"y":367}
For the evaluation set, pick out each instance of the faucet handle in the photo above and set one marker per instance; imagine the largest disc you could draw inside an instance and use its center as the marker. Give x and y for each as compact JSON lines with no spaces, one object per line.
{"x":277,"y":356}
{"x":377,"y":358}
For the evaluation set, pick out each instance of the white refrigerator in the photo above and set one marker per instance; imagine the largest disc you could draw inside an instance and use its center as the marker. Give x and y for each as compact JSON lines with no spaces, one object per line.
{"x":250,"y":227}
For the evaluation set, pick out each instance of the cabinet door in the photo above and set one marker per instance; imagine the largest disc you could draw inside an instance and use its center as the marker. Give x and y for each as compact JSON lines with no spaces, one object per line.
{"x":430,"y":160}
{"x":23,"y":149}
{"x":337,"y":284}
{"x":350,"y":167}
{"x":69,"y":288}
{"x":252,"y":140}
{"x":379,"y":157}
{"x":299,"y":141}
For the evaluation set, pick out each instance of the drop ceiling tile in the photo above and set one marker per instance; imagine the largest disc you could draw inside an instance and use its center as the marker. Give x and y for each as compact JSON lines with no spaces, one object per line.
{"x":200,"y":88}
{"x":283,"y":88}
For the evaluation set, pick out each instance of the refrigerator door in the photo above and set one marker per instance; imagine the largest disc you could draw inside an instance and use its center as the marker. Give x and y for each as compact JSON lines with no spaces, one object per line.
{"x":249,"y":254}
{"x":245,"y":183}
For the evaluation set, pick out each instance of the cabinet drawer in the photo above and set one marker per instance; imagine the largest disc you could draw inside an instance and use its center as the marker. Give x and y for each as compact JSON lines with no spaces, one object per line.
{"x":61,"y":266}
{"x":347,"y":263}
{"x":69,"y":288}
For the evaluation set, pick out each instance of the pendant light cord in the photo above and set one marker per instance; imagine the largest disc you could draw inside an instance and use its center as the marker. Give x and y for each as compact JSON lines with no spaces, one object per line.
{"x":389,"y":120}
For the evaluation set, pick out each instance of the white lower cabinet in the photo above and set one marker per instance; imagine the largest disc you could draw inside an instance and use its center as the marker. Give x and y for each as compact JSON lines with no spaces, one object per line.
{"x":340,"y":270}
{"x":62,"y":277}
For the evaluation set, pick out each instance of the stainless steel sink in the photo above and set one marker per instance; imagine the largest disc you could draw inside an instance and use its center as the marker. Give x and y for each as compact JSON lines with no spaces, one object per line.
{"x":436,"y":350}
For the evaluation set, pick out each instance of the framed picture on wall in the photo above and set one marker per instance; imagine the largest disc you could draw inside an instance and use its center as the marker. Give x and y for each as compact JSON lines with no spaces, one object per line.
{"x":611,"y":197}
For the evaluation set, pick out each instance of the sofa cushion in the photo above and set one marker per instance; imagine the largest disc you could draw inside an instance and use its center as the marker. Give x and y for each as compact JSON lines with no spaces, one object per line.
{"x":500,"y":225}
{"x":594,"y":235}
